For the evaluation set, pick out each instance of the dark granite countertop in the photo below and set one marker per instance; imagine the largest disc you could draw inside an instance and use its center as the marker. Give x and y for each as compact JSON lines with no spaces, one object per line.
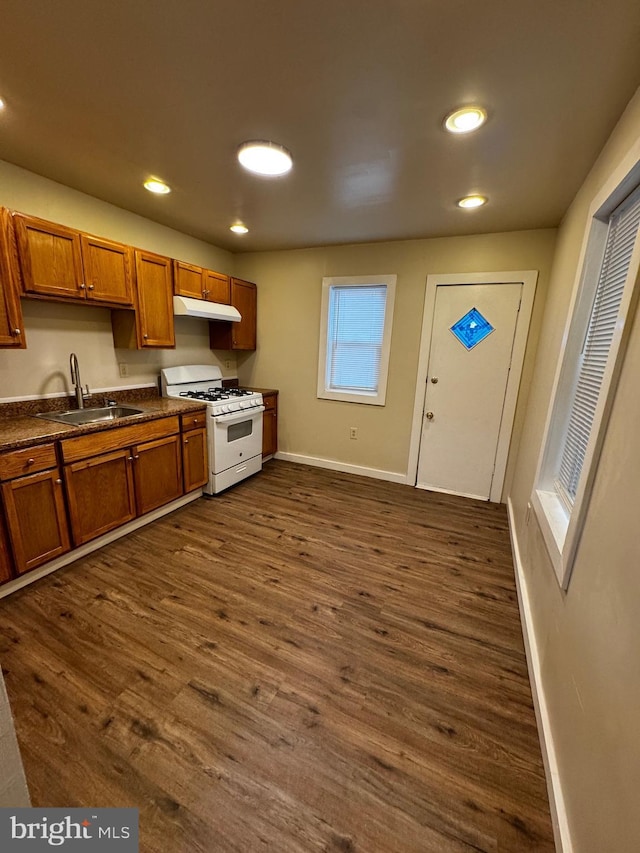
{"x":19,"y":430}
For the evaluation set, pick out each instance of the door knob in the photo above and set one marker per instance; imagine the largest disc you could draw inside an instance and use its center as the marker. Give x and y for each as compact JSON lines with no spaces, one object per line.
{"x":429,"y":416}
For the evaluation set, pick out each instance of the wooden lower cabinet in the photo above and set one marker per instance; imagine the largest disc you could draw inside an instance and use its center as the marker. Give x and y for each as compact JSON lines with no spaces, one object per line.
{"x":270,"y":424}
{"x":36,"y":519}
{"x":100,"y":494}
{"x":157,"y":473}
{"x":195,"y":469}
{"x":6,"y":562}
{"x":106,"y":491}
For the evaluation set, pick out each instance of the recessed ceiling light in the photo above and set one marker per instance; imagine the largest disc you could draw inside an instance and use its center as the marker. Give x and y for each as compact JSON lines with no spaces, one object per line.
{"x":2,"y":104}
{"x":238,"y":228}
{"x":265,"y":158}
{"x":472,"y":201}
{"x":157,"y":187}
{"x":465,"y":119}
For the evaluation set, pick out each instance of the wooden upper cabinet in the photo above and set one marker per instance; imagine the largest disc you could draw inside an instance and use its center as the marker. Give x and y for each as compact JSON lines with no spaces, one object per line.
{"x":108,"y":270}
{"x":198,"y":283}
{"x":154,"y":317}
{"x":217,"y":287}
{"x":61,"y":263}
{"x":50,"y":258}
{"x":11,"y":324}
{"x":242,"y":335}
{"x":188,"y":280}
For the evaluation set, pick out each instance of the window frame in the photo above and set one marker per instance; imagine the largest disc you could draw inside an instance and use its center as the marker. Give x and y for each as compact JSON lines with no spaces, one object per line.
{"x":561,"y":526}
{"x":324,"y":392}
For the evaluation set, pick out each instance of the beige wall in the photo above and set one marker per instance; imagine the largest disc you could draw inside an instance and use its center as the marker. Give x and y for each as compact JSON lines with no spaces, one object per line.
{"x":589,"y":638}
{"x":54,"y":329}
{"x":289,"y":298}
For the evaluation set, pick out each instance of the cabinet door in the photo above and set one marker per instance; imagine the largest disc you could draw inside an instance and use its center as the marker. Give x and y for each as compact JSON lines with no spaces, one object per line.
{"x":270,"y":425}
{"x":50,"y":258}
{"x":242,"y":335}
{"x":107,"y":270}
{"x":11,"y":329}
{"x":243,"y":297}
{"x":157,"y":471}
{"x":100,"y":493}
{"x":188,"y":280}
{"x":6,"y":562}
{"x":36,"y":519}
{"x":195,"y":466}
{"x":155,"y":300}
{"x":216,"y":287}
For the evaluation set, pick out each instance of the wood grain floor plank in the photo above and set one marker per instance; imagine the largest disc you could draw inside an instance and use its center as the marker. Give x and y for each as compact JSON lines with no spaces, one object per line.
{"x":311,"y":661}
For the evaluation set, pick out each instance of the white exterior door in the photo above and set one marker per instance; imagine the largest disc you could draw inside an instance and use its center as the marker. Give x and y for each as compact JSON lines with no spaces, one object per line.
{"x":472,"y":343}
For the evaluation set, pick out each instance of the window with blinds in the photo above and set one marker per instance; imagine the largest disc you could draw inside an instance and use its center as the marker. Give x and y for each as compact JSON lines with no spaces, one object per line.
{"x":621,"y":238}
{"x":355,"y":338}
{"x":354,"y":346}
{"x":592,"y":355}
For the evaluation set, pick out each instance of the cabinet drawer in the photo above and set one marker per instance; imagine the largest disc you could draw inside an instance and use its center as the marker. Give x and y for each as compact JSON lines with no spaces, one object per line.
{"x":18,"y":463}
{"x":193,"y":421}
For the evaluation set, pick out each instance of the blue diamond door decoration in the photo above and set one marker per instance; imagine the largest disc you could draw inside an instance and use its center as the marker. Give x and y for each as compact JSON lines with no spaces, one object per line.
{"x":472,"y":328}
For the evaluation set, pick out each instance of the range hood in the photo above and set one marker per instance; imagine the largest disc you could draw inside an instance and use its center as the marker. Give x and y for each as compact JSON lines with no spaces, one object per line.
{"x":185,"y":306}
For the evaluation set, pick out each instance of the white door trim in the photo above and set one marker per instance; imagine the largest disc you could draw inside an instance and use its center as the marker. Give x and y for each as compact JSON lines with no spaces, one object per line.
{"x":529,"y":279}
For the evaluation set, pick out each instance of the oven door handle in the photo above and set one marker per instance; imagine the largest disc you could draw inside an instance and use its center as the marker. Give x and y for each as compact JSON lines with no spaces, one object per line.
{"x":237,"y":417}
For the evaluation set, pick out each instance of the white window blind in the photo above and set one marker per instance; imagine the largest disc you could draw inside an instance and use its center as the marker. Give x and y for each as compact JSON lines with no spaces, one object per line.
{"x":621,"y":237}
{"x":355,"y":337}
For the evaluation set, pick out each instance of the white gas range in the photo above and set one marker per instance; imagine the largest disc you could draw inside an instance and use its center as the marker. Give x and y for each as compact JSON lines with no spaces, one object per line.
{"x":234,"y":422}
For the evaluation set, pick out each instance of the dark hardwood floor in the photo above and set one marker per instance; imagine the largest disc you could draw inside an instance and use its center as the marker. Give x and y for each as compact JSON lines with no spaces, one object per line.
{"x":311,"y":661}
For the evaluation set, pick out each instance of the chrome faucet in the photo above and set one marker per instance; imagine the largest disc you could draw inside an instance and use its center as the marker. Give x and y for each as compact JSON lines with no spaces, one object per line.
{"x":81,"y":395}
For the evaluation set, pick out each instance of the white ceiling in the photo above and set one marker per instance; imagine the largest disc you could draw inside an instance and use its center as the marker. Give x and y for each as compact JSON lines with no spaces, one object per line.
{"x":101,"y":94}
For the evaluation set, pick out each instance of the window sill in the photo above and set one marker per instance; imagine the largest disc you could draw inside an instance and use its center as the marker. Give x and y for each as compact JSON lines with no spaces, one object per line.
{"x":554,"y":524}
{"x":369,"y":399}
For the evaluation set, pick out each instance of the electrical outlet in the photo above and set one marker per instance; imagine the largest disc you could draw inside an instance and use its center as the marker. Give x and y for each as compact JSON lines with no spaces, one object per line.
{"x":353,"y":432}
{"x":227,"y":364}
{"x":124,"y":369}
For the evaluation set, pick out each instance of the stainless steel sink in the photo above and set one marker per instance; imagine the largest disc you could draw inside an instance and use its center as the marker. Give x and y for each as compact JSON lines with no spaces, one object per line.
{"x":105,"y":414}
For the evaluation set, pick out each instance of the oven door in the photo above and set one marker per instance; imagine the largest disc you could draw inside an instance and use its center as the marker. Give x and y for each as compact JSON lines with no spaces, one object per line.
{"x":235,"y":438}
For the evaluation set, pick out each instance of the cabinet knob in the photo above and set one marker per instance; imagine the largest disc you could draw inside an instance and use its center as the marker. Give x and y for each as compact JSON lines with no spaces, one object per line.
{"x":82,"y":286}
{"x":129,"y":458}
{"x":135,"y":458}
{"x":59,"y":482}
{"x":186,"y":441}
{"x":91,"y":287}
{"x":17,"y":332}
{"x":30,"y":461}
{"x":195,"y":420}
{"x":145,"y":337}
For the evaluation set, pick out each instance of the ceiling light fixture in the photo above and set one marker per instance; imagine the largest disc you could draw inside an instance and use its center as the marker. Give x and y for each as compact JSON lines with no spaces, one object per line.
{"x":2,"y":104}
{"x":465,"y":119}
{"x":265,"y":158}
{"x":157,"y":187}
{"x":471,"y":201}
{"x":238,"y":228}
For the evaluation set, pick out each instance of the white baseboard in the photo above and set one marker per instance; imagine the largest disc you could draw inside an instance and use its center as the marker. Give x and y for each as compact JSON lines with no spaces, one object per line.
{"x":344,"y":467}
{"x":559,"y":818}
{"x":89,"y":547}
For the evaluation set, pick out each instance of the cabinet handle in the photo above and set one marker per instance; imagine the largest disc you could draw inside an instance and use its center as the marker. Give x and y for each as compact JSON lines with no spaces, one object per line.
{"x":59,"y":482}
{"x":91,"y":287}
{"x":145,"y":337}
{"x":82,"y":286}
{"x":136,"y":458}
{"x":186,"y":441}
{"x":17,"y":332}
{"x":195,"y":420}
{"x":129,"y":458}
